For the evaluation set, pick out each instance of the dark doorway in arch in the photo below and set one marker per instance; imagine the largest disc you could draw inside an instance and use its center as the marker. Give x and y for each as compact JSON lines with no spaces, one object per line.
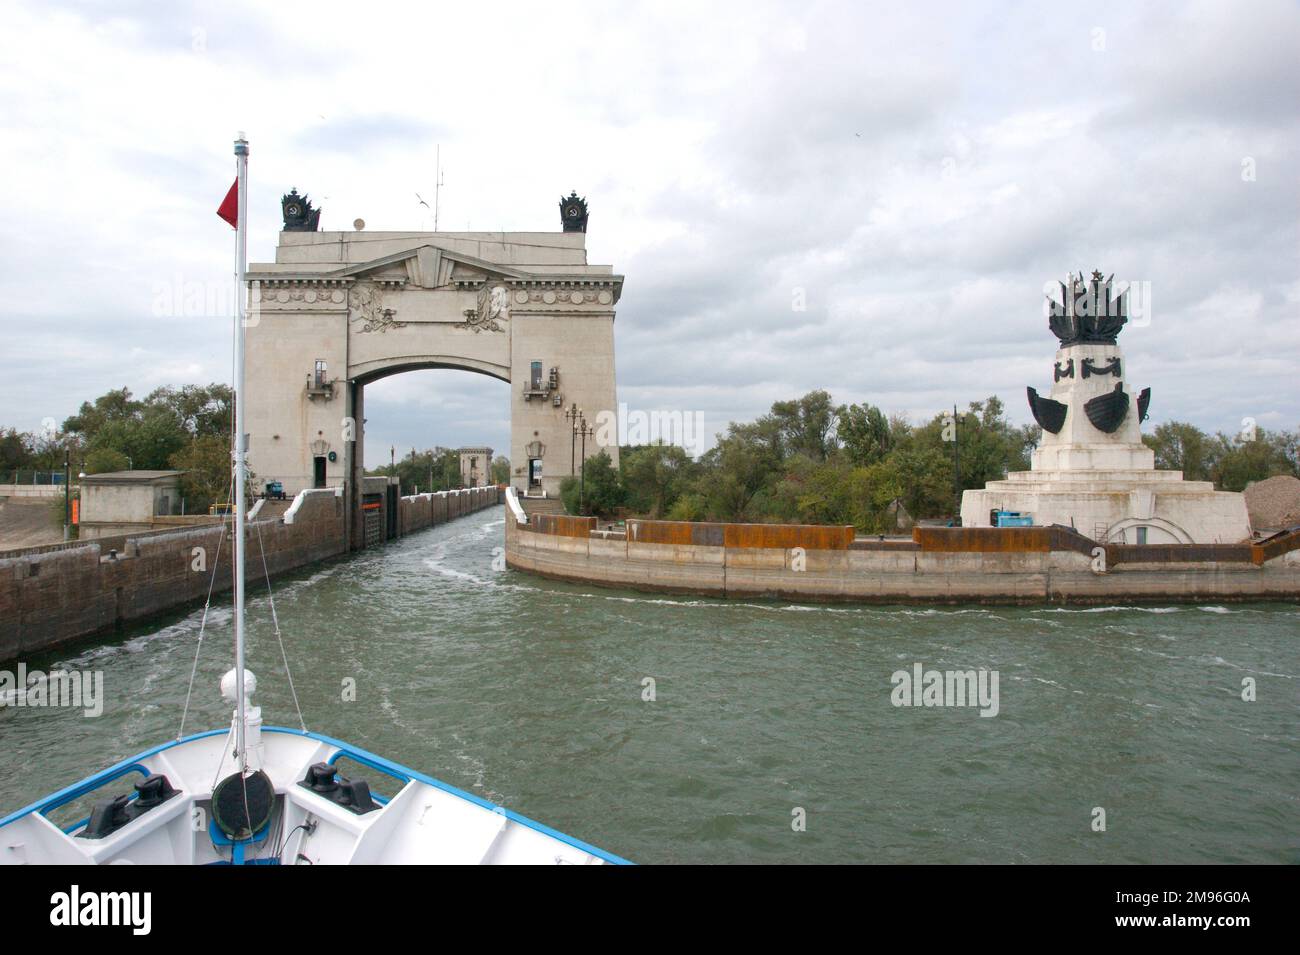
{"x":320,"y":472}
{"x":534,"y":472}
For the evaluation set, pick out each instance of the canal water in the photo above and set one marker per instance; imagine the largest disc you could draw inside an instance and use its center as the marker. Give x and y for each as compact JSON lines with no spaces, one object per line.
{"x":771,"y":735}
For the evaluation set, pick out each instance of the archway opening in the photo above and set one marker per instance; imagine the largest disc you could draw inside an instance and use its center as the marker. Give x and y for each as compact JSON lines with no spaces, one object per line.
{"x":436,"y":427}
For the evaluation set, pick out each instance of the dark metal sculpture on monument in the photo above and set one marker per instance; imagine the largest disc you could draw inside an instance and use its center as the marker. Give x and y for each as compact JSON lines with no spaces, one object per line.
{"x":299,"y":216}
{"x":1048,"y":412}
{"x":1107,"y":411}
{"x":1093,"y":370}
{"x":1087,"y":313}
{"x":573,"y":213}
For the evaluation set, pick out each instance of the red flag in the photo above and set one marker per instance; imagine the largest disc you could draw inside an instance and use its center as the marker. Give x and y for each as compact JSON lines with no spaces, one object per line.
{"x":229,"y":208}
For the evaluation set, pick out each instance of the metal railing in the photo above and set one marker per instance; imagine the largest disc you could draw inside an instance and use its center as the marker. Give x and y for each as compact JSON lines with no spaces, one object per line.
{"x":27,"y":476}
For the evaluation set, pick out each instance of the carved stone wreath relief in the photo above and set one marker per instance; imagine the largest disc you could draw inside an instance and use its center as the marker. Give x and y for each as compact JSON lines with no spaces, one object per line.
{"x":366,"y":304}
{"x":492,"y":308}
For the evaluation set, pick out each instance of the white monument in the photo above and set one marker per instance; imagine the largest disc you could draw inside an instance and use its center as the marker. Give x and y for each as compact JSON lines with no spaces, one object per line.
{"x":1091,"y":469}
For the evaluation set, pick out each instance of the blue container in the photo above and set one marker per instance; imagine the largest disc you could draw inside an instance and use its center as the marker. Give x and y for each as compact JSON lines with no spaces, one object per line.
{"x":1013,"y":519}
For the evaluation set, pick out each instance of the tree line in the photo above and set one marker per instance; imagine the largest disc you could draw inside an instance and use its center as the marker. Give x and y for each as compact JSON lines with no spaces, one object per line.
{"x":811,"y":461}
{"x":186,"y":429}
{"x":808,"y":460}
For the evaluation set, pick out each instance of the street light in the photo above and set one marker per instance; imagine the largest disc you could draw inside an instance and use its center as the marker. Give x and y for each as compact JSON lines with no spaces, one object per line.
{"x":584,"y":430}
{"x":67,"y":493}
{"x":956,"y":460}
{"x":573,"y":414}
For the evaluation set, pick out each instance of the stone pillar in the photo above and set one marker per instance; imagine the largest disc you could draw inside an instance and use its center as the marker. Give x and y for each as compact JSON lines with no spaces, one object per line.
{"x":1078,"y":378}
{"x":570,"y":328}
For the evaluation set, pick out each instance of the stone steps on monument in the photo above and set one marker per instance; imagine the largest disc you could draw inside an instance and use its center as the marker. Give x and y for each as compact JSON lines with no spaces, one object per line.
{"x":541,"y":505}
{"x":1126,"y":476}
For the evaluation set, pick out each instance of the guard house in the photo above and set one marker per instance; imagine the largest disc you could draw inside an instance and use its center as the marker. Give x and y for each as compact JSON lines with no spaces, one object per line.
{"x":120,"y":502}
{"x":475,"y":466}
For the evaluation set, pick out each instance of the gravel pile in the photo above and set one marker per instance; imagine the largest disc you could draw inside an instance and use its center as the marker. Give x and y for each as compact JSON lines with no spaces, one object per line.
{"x":1274,"y":503}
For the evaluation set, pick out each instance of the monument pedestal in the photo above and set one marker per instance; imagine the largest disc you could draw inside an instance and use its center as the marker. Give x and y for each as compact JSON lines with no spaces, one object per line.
{"x":1114,"y":506}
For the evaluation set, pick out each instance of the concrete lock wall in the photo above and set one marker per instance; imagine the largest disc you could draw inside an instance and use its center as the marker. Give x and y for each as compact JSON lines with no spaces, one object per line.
{"x":57,"y":593}
{"x":50,"y":595}
{"x":939,"y":565}
{"x":33,"y":490}
{"x":418,"y":511}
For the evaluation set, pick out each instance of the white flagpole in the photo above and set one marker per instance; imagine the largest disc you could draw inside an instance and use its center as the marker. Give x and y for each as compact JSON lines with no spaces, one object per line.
{"x":241,"y":442}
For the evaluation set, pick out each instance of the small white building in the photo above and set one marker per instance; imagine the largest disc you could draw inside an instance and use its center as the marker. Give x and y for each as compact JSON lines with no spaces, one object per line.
{"x":119,"y":502}
{"x":475,"y":466}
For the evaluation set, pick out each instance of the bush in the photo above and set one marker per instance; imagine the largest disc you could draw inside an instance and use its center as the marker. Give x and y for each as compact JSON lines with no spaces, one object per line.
{"x":688,"y":507}
{"x":569,"y":494}
{"x":603,"y":492}
{"x":103,"y":460}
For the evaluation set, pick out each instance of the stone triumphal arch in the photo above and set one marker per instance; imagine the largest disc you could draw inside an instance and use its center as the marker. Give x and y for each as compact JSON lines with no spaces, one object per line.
{"x":338,"y":310}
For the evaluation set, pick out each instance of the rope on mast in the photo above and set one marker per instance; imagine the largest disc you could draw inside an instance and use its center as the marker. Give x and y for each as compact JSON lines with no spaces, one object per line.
{"x":194,"y":671}
{"x":275,"y":621}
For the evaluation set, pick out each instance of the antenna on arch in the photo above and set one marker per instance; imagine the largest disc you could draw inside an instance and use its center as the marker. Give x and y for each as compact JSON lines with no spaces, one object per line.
{"x":437,"y":184}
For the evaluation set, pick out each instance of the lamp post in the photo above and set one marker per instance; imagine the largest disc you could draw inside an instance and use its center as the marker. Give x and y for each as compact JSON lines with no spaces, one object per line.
{"x":573,"y":414}
{"x":67,"y":494}
{"x":956,"y":460}
{"x":584,"y":431}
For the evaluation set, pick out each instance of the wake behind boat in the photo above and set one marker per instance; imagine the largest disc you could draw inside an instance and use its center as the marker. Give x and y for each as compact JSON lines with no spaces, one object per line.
{"x":283,"y":799}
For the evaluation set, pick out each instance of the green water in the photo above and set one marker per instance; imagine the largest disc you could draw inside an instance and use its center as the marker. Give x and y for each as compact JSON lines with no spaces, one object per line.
{"x":529,"y":693}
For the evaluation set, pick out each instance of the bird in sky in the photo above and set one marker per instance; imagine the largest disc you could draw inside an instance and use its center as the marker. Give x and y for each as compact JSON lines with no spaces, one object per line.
{"x":422,"y":202}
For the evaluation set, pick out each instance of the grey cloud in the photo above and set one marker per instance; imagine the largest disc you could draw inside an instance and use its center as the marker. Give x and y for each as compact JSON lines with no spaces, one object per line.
{"x":923,"y":277}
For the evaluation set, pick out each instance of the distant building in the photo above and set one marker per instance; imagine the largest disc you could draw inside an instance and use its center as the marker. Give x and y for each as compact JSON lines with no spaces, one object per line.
{"x":475,"y":466}
{"x":119,"y":502}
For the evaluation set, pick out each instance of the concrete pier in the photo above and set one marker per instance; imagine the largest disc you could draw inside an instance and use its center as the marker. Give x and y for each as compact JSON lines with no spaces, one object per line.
{"x":1031,"y":565}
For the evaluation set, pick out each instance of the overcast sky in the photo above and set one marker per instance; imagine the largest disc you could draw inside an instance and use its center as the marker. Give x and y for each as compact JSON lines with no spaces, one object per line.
{"x":919,"y":170}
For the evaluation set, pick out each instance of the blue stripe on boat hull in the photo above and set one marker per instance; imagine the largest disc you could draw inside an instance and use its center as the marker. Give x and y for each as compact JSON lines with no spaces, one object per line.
{"x":67,"y":794}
